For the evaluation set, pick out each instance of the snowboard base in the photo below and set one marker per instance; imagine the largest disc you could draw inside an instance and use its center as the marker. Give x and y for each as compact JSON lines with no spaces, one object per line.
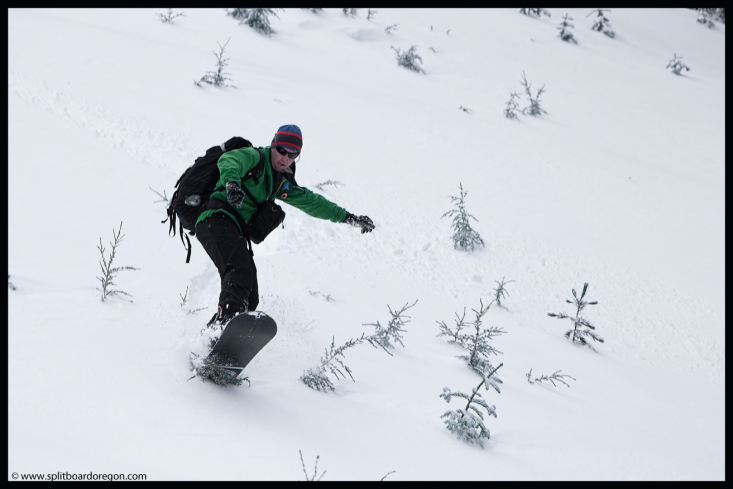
{"x":242,"y":339}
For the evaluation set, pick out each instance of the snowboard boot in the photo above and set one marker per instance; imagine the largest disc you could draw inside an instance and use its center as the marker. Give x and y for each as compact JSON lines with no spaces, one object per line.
{"x":219,"y":321}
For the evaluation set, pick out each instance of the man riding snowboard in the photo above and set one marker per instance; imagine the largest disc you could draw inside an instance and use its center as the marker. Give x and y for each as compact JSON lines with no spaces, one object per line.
{"x":220,"y":233}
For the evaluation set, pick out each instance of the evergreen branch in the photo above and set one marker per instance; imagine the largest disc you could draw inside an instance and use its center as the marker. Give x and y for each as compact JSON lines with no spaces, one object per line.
{"x":557,"y":376}
{"x":501,"y":291}
{"x":108,"y":271}
{"x":446,"y":331}
{"x":320,"y":186}
{"x":169,"y":16}
{"x":475,"y":391}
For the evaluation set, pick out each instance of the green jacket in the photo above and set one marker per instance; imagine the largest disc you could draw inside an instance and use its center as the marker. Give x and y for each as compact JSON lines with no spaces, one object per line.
{"x":233,"y":165}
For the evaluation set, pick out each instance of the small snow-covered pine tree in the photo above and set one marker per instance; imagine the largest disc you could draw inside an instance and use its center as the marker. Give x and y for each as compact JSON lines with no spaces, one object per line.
{"x":564,"y":27}
{"x":219,"y":77}
{"x":409,"y":59}
{"x":705,"y":17}
{"x":108,"y":271}
{"x":256,"y":18}
{"x":602,"y":24}
{"x":383,"y":337}
{"x":333,"y":361}
{"x":464,"y":236}
{"x":582,"y":328}
{"x":676,"y":65}
{"x":169,"y":16}
{"x":317,"y":378}
{"x":467,"y":423}
{"x":534,"y":12}
{"x":510,"y":110}
{"x":500,"y":292}
{"x":535,"y":107}
{"x":213,"y":368}
{"x":477,"y":343}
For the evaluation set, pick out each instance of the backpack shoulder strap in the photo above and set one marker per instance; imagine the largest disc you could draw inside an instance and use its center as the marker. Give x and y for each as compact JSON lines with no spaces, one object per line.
{"x":254,"y":173}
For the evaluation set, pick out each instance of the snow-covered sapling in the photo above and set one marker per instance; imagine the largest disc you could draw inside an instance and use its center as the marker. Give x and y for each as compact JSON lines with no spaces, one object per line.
{"x":602,"y":24}
{"x":705,"y":17}
{"x":390,"y":28}
{"x":325,"y":296}
{"x":582,"y":329}
{"x":464,"y":236}
{"x":317,"y":378}
{"x":320,"y":186}
{"x":169,"y":16}
{"x":371,"y":13}
{"x":564,"y":27}
{"x":383,"y":337}
{"x":256,"y":18}
{"x":10,"y":284}
{"x":676,"y":65}
{"x":510,"y":110}
{"x":468,"y":426}
{"x":453,"y":335}
{"x":108,"y":271}
{"x":315,"y":470}
{"x":464,"y":109}
{"x":212,"y":368}
{"x":534,"y":12}
{"x":477,"y":343}
{"x":500,"y":292}
{"x":557,"y":376}
{"x":409,"y":59}
{"x":535,"y":107}
{"x":219,"y":77}
{"x":349,"y":12}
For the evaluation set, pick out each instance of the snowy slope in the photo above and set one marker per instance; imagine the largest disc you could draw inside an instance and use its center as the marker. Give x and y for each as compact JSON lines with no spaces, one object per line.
{"x":620,"y":184}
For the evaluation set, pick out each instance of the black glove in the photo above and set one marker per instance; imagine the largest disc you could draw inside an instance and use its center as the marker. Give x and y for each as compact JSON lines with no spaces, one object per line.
{"x":235,"y":196}
{"x":362,"y":222}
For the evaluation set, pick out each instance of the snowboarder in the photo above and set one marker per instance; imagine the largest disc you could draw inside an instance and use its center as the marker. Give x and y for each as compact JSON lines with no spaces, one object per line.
{"x":220,"y":233}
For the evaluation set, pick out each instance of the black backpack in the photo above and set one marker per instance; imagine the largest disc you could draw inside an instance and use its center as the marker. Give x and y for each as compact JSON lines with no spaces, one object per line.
{"x":197,"y":183}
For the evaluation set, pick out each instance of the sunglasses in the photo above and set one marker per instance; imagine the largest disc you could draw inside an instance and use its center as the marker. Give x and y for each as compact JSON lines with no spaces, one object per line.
{"x":283,"y":151}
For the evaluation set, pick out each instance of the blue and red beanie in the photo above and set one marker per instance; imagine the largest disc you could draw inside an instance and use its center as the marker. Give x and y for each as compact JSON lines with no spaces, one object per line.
{"x":289,"y":137}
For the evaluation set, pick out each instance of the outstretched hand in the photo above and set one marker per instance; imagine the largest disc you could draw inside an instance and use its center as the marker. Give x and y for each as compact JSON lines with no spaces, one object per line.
{"x":235,"y":196}
{"x":362,"y":222}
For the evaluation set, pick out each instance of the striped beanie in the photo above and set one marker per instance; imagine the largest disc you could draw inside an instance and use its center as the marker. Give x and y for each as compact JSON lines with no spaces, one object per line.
{"x":289,"y":137}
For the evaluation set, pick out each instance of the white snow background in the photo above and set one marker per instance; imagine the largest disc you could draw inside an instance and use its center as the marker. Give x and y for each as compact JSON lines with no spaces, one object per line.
{"x":620,"y":184}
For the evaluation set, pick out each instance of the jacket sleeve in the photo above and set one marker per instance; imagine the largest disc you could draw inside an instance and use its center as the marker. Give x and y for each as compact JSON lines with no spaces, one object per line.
{"x":234,"y":164}
{"x":314,"y":204}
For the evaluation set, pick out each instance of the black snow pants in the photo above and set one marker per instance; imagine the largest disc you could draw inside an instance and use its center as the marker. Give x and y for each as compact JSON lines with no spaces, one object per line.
{"x":228,"y":248}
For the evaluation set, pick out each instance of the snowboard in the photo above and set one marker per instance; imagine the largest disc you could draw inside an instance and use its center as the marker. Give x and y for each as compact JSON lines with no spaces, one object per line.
{"x":243,"y":338}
